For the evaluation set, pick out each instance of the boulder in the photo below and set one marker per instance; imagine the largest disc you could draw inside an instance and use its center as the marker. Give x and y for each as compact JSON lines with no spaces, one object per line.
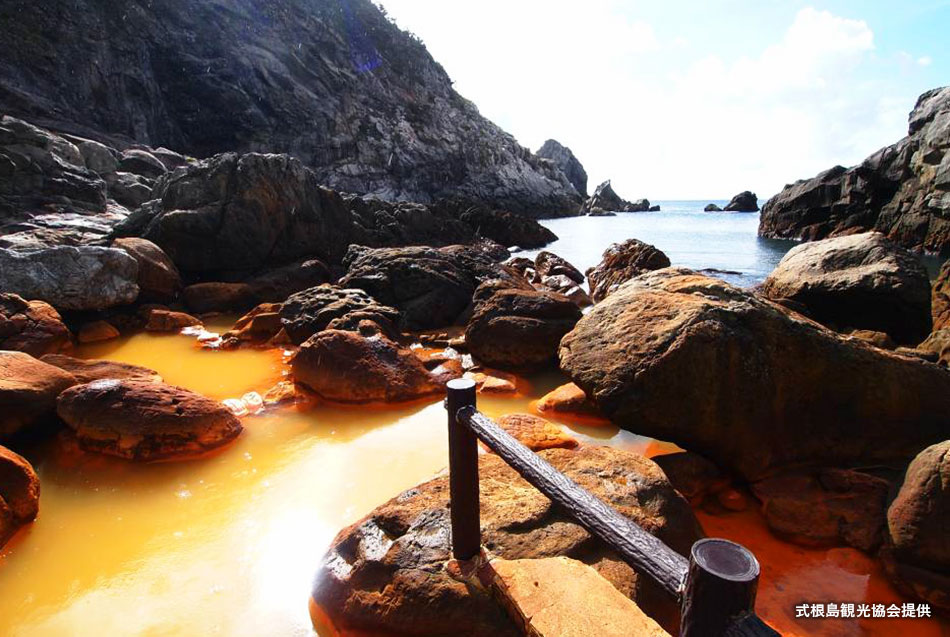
{"x":937,"y":346}
{"x":348,"y":367}
{"x":745,"y":201}
{"x":622,"y":262}
{"x":390,"y":572}
{"x":917,"y":523}
{"x":158,"y":278}
{"x":691,"y":474}
{"x":34,"y":327}
{"x":89,"y":370}
{"x":431,"y":287}
{"x":565,"y":160}
{"x":519,"y":329}
{"x":901,"y":190}
{"x":68,"y":278}
{"x":168,"y":321}
{"x":549,"y":264}
{"x":97,"y":332}
{"x":311,"y":311}
{"x":692,"y":360}
{"x":940,"y":299}
{"x":712,"y":208}
{"x":260,"y":325}
{"x":28,"y":391}
{"x":143,"y":420}
{"x":19,"y":494}
{"x":861,"y":282}
{"x":568,"y":399}
{"x":828,"y":507}
{"x":536,"y":433}
{"x":141,"y":162}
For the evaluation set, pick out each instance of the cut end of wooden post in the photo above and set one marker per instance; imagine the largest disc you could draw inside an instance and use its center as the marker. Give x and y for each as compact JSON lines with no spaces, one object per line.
{"x":460,"y":384}
{"x":726,"y":559}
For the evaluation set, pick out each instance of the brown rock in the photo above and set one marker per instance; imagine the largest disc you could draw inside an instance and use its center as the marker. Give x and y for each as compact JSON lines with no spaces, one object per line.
{"x":753,"y":387}
{"x":940,"y":299}
{"x":622,"y":262}
{"x":352,"y":368}
{"x":937,"y":346}
{"x":257,"y":326}
{"x":158,"y":277}
{"x":918,"y":522}
{"x":28,"y":391}
{"x":877,"y":339}
{"x":97,"y":331}
{"x":691,"y":474}
{"x":493,"y":382}
{"x":19,"y":494}
{"x":824,"y":508}
{"x":34,"y":327}
{"x":549,"y":264}
{"x":536,"y":433}
{"x":387,"y":573}
{"x":519,"y":329}
{"x":569,"y":399}
{"x":168,"y":321}
{"x":551,"y":597}
{"x":861,"y":282}
{"x":218,"y":297}
{"x":145,"y":420}
{"x":87,"y":371}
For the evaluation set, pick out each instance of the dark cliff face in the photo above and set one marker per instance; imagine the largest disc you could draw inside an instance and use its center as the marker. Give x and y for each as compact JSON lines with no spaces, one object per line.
{"x":902,"y":190}
{"x":331,"y":82}
{"x":567,"y":162}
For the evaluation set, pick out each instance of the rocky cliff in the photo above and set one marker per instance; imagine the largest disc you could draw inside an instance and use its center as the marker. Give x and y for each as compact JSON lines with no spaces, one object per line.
{"x":902,"y":190}
{"x":331,"y":82}
{"x":564,"y":158}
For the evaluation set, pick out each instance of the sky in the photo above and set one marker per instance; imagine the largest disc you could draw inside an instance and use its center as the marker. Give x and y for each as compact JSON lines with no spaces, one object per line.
{"x":692,"y":100}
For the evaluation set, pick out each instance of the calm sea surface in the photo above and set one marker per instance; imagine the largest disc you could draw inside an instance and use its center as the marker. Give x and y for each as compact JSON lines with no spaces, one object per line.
{"x":722,"y":241}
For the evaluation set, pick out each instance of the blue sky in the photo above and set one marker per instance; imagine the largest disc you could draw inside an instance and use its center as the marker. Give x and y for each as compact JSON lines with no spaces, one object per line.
{"x":697,"y":100}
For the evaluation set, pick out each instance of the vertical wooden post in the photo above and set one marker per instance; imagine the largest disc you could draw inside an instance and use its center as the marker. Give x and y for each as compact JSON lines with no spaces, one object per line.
{"x":463,"y":473}
{"x":720,"y":585}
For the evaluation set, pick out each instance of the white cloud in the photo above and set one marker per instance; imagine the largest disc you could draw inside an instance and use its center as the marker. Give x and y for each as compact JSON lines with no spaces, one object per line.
{"x":635,"y":108}
{"x":925,"y":60}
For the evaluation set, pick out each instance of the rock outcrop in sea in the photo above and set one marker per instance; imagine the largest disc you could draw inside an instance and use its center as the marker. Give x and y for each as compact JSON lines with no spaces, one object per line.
{"x":745,"y":201}
{"x":564,"y":159}
{"x":605,"y":200}
{"x":902,"y":190}
{"x":334,"y":84}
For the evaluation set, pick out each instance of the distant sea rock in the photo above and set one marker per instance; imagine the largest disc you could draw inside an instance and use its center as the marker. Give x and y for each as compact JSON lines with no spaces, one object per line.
{"x":605,"y":199}
{"x":564,"y":159}
{"x":745,"y":201}
{"x":712,"y":208}
{"x":902,"y":190}
{"x":335,"y":84}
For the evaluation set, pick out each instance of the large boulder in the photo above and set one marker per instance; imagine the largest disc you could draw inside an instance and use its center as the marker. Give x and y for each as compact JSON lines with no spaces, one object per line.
{"x":564,"y":159}
{"x":859,"y":282}
{"x":89,"y":370}
{"x":350,"y":367}
{"x":918,"y":522}
{"x":158,"y":278}
{"x":28,"y":391}
{"x":519,"y":329}
{"x":71,"y":278}
{"x":940,"y":299}
{"x":19,"y":494}
{"x":313,"y":310}
{"x":431,"y":287}
{"x":901,"y":190}
{"x":745,"y":201}
{"x":622,"y":262}
{"x":752,"y":386}
{"x":145,"y":420}
{"x":34,"y":327}
{"x":389,"y":573}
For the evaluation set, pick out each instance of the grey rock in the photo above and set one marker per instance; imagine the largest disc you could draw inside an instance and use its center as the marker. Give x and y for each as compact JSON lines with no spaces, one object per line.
{"x":712,"y":208}
{"x":564,"y":159}
{"x":141,"y":162}
{"x":605,"y":199}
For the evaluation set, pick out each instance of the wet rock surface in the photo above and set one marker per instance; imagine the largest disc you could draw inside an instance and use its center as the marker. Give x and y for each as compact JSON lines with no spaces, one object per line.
{"x":622,"y":262}
{"x":28,"y":391}
{"x":388,"y":571}
{"x":19,"y":494}
{"x":862,"y":282}
{"x":901,"y":190}
{"x":143,"y":420}
{"x":314,"y":310}
{"x":89,"y":370}
{"x":664,"y":355}
{"x":34,"y":327}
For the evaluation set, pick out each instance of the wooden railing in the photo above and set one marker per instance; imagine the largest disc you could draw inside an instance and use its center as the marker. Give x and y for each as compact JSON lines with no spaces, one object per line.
{"x":715,"y":587}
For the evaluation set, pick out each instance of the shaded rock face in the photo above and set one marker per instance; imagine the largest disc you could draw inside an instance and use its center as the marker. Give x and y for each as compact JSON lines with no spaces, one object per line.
{"x":519,"y":329}
{"x":334,"y":84}
{"x":87,"y":371}
{"x":158,"y":278}
{"x":430,"y":287}
{"x":28,"y":391}
{"x":605,"y":199}
{"x":353,"y":368}
{"x":918,"y":520}
{"x":387,"y":572}
{"x":143,"y":420}
{"x":745,"y":201}
{"x":901,"y":190}
{"x":622,"y":262}
{"x":940,"y":299}
{"x":861,"y":282}
{"x":565,"y":160}
{"x":664,"y":355}
{"x":34,"y":327}
{"x":19,"y":494}
{"x":70,"y":278}
{"x":937,"y":345}
{"x":314,"y":310}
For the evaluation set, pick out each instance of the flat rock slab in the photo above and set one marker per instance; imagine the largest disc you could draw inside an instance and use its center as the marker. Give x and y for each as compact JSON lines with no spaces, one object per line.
{"x":561,"y":597}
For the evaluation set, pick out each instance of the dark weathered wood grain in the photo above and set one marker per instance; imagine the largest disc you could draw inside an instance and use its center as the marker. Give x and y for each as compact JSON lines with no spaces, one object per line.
{"x":720,"y":587}
{"x":463,"y":473}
